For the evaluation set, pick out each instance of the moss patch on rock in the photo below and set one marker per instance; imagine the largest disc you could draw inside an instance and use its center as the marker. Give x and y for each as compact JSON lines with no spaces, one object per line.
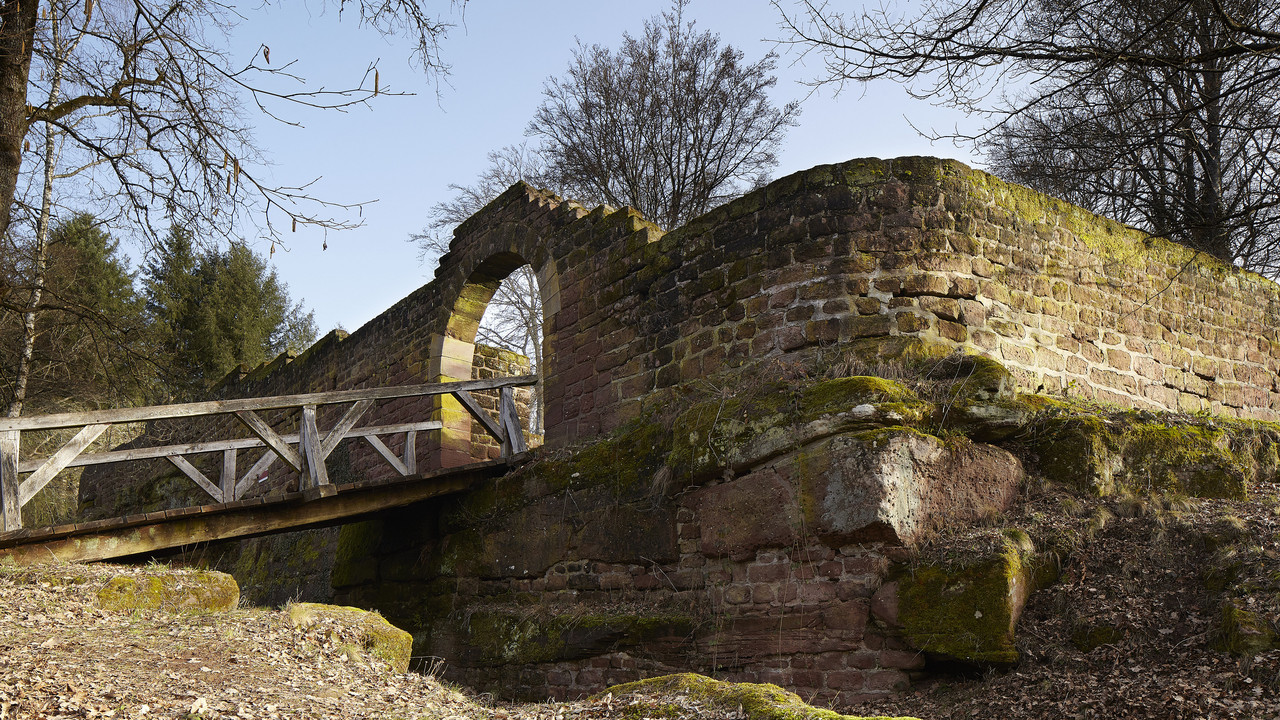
{"x":201,"y":591}
{"x":494,"y":637}
{"x":1102,"y":452}
{"x":1243,"y":632}
{"x":366,"y":632}
{"x":965,"y":611}
{"x":756,"y":424}
{"x":755,"y":701}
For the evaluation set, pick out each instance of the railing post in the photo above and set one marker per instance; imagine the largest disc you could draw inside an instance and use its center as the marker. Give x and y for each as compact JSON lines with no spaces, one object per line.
{"x":314,"y":473}
{"x":227,"y":482}
{"x":509,"y":419}
{"x":10,"y":502}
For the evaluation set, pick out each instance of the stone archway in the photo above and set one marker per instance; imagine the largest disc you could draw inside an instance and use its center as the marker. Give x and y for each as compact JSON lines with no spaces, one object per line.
{"x":453,"y":352}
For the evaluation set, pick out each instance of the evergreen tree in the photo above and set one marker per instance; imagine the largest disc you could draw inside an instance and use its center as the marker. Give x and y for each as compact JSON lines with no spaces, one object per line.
{"x":90,"y":341}
{"x":218,"y":310}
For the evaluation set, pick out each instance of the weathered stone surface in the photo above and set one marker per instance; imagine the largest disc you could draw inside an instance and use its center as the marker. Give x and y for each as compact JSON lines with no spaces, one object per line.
{"x":198,"y":591}
{"x":754,"y":701}
{"x":1243,"y":632}
{"x":740,"y":516}
{"x":1105,"y":452}
{"x":364,"y":632}
{"x":967,"y":611}
{"x":898,"y":485}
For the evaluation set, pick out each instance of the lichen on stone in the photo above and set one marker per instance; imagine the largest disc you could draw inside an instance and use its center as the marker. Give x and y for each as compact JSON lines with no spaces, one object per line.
{"x":370,"y":632}
{"x":966,"y":610}
{"x":196,"y":592}
{"x":755,"y":701}
{"x":1243,"y":632}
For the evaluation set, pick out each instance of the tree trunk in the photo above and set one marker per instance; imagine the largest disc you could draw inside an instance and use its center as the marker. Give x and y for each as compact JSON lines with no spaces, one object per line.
{"x":17,"y":36}
{"x":40,"y":261}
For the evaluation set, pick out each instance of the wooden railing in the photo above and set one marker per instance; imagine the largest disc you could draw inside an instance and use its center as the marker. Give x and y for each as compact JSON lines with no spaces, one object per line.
{"x":304,"y":452}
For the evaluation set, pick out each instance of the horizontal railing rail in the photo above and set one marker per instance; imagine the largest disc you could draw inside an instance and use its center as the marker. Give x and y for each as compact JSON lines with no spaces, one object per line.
{"x":304,"y":452}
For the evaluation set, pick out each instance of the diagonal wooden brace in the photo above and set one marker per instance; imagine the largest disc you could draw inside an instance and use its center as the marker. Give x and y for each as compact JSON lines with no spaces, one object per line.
{"x":271,"y":438}
{"x":479,"y":413}
{"x":54,"y":465}
{"x":194,"y":473}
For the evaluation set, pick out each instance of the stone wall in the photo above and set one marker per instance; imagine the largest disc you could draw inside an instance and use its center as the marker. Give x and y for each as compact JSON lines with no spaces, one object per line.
{"x":708,"y":541}
{"x":752,"y":550}
{"x":917,"y":247}
{"x":907,"y":248}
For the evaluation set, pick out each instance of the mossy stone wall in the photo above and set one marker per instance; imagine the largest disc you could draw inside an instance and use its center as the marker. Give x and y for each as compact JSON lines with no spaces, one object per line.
{"x":881,"y":250}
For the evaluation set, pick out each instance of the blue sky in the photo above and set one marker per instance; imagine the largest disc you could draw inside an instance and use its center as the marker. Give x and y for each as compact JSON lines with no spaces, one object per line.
{"x":405,"y":151}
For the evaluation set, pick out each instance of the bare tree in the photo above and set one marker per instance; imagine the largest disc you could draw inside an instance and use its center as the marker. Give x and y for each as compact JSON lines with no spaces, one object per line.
{"x":140,"y":112}
{"x":155,"y":111}
{"x":1161,"y":112}
{"x":671,"y":124}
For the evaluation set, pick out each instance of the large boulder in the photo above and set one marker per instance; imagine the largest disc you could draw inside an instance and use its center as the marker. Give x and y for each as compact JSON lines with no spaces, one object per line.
{"x":963,"y":610}
{"x":198,"y":591}
{"x":362,"y":632}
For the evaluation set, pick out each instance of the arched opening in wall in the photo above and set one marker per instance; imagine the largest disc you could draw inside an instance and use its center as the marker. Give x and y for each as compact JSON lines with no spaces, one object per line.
{"x":512,"y":324}
{"x":495,"y":329}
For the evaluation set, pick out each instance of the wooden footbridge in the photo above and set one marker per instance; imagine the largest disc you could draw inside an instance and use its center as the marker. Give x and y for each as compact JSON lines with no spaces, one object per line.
{"x":238,"y":509}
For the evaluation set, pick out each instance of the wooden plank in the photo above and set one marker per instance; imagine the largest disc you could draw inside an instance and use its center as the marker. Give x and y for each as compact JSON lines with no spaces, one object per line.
{"x":194,"y":473}
{"x":411,"y":452}
{"x":399,"y":428}
{"x":216,"y":407}
{"x":310,"y":443}
{"x":272,"y":439}
{"x":510,"y":419}
{"x":222,"y":523}
{"x":10,"y":505}
{"x":163,"y":451}
{"x":250,"y":478}
{"x":479,"y":413}
{"x":54,"y":465}
{"x":387,"y":455}
{"x":227,"y":484}
{"x":339,"y":431}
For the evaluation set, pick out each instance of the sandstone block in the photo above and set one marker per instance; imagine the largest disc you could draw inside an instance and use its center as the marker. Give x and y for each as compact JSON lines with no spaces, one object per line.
{"x":897,"y":485}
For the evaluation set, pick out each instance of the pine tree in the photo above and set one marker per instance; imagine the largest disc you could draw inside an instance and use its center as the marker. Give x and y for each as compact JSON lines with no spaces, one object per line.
{"x":218,"y":310}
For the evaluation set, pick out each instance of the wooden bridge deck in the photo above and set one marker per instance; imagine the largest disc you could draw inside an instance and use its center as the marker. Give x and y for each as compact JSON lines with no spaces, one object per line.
{"x":191,"y":526}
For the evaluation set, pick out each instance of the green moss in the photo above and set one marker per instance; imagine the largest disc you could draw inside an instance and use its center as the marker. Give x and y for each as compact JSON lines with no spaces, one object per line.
{"x":353,"y":561}
{"x":626,"y":461}
{"x":1104,"y":451}
{"x":1243,"y":632}
{"x":522,"y":638}
{"x":755,"y":701}
{"x":772,"y":418}
{"x":836,"y":396}
{"x":201,"y":591}
{"x":966,"y":611}
{"x":372,"y":633}
{"x":1193,"y":460}
{"x":1080,"y":452}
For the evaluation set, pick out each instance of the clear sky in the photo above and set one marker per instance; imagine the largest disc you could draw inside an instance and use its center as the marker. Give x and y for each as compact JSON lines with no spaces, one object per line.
{"x":405,"y":151}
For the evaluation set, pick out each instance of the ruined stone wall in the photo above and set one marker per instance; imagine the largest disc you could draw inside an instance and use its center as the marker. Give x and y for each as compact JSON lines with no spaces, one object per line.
{"x":751,"y":550}
{"x":918,"y":247}
{"x":863,"y":250}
